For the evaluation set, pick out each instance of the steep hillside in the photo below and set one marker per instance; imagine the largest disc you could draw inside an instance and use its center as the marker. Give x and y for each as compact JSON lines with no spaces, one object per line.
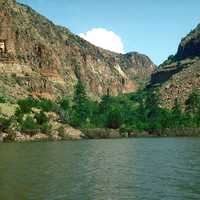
{"x":180,"y":74}
{"x":41,"y":59}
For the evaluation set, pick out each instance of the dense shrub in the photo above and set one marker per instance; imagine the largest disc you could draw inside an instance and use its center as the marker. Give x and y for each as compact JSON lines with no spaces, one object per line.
{"x":64,"y":103}
{"x":25,"y":105}
{"x":47,"y":105}
{"x":114,"y":119}
{"x":5,"y":123}
{"x":64,"y":109}
{"x":29,"y":125}
{"x":46,"y":128}
{"x":2,"y":99}
{"x":41,"y":118}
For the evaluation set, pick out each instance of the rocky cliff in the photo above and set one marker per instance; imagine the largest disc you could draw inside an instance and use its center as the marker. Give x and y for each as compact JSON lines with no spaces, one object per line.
{"x":179,"y":74}
{"x":41,"y":59}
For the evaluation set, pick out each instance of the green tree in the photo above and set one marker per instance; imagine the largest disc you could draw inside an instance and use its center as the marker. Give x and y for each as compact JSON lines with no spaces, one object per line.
{"x":114,"y":118}
{"x":93,"y":113}
{"x":64,"y":103}
{"x":64,"y":109}
{"x":80,"y":108}
{"x":152,"y":110}
{"x":176,"y":110}
{"x":142,"y":108}
{"x":177,"y":118}
{"x":105,"y":103}
{"x":197,"y":117}
{"x":192,"y":103}
{"x":192,"y":108}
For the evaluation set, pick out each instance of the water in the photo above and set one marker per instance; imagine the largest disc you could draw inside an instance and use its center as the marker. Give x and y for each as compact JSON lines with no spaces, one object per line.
{"x":124,"y":169}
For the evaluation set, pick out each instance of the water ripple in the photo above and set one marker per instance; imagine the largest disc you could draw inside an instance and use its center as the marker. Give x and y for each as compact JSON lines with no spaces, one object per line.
{"x":128,"y":169}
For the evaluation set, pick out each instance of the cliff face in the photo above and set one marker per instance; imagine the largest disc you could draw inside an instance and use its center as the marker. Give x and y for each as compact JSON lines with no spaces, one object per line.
{"x":179,"y":74}
{"x":41,"y":59}
{"x":190,"y":45}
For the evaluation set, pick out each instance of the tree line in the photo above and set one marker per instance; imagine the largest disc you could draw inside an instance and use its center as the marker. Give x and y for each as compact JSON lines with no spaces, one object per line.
{"x":140,"y":111}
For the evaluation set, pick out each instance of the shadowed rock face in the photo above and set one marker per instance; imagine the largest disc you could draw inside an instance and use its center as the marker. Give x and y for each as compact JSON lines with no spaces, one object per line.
{"x":190,"y":45}
{"x":45,"y":60}
{"x":180,"y":74}
{"x":162,"y":76}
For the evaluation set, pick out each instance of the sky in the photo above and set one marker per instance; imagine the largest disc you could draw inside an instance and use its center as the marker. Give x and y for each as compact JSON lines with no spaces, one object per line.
{"x":151,"y":27}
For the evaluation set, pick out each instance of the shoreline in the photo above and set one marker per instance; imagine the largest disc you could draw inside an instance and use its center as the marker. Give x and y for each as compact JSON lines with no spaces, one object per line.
{"x":100,"y":133}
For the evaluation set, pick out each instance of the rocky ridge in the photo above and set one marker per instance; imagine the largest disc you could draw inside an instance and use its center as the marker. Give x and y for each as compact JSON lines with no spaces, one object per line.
{"x":40,"y":59}
{"x":179,"y":75}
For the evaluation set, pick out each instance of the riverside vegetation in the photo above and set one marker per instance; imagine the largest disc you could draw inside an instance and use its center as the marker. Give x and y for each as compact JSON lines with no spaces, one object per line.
{"x":41,"y":61}
{"x":132,"y":114}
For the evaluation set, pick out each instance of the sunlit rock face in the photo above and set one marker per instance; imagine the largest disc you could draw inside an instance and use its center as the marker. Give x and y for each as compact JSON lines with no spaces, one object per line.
{"x":41,"y":59}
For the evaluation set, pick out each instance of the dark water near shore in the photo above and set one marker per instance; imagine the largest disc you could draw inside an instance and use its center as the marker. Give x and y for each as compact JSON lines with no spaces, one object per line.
{"x":124,"y":169}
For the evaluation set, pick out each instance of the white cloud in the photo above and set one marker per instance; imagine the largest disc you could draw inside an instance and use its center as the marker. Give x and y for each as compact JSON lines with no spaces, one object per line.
{"x":104,"y":38}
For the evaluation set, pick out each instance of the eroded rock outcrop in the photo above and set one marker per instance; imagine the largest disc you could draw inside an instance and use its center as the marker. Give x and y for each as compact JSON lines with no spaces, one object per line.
{"x":41,"y":59}
{"x":179,"y":75}
{"x":190,"y":45}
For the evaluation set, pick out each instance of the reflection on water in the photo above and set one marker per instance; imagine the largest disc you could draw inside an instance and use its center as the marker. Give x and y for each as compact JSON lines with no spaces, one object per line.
{"x":124,"y":169}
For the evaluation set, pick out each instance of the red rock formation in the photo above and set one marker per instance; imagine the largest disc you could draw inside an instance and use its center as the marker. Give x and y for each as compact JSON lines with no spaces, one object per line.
{"x":50,"y":59}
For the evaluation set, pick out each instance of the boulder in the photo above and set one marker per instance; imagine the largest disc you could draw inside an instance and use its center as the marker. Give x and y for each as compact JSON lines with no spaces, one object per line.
{"x":3,"y":136}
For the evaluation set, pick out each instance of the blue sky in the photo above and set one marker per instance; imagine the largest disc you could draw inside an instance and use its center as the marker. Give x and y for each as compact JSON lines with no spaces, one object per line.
{"x":152,"y":27}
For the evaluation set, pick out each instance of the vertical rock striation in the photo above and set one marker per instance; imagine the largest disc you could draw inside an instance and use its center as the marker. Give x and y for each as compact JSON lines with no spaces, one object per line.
{"x":41,"y":59}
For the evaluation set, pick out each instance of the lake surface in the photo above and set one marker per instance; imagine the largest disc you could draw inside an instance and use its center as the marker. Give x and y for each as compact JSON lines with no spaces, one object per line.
{"x":120,"y":169}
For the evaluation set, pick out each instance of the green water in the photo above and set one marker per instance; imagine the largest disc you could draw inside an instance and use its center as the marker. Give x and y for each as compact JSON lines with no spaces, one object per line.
{"x":124,"y":169}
